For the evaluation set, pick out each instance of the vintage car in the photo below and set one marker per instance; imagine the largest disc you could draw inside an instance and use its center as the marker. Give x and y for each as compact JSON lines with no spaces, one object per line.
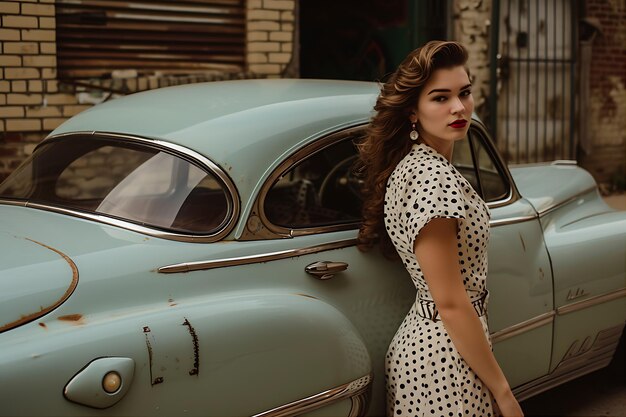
{"x":191,"y":251}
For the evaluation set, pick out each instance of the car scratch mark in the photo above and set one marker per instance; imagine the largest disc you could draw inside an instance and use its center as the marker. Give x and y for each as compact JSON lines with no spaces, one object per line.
{"x":196,"y":348}
{"x":307,"y":295}
{"x":43,"y":325}
{"x":159,"y":379}
{"x":522,"y":240}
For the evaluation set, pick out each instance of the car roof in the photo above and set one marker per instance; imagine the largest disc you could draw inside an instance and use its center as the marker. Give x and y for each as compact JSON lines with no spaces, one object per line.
{"x":244,"y":126}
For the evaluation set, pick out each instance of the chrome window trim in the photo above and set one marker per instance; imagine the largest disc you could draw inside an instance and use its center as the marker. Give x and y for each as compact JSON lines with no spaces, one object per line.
{"x":180,"y":151}
{"x":258,"y":226}
{"x":523,"y":327}
{"x":590,"y":302}
{"x":251,"y":259}
{"x":355,"y":390}
{"x":513,"y":194}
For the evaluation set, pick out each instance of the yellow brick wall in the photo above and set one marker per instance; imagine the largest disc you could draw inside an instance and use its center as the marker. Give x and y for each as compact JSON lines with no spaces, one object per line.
{"x":270,"y":36}
{"x":33,"y":102}
{"x":29,"y":99}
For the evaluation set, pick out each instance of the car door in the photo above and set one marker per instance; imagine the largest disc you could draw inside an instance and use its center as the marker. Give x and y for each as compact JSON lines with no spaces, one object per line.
{"x":313,"y":201}
{"x":521,"y":311}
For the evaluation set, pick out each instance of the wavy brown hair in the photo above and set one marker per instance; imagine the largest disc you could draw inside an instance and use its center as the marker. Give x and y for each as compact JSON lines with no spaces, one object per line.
{"x":386,"y":139}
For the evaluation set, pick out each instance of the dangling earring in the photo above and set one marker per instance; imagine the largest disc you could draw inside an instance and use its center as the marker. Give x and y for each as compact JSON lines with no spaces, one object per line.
{"x":413,"y":135}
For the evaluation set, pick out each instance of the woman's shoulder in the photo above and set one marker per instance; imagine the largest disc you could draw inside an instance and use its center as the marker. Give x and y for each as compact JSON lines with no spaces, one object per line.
{"x":421,"y":161}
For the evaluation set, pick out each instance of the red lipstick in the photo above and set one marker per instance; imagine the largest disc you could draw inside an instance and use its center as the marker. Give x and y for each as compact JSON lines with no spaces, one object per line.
{"x":458,"y":124}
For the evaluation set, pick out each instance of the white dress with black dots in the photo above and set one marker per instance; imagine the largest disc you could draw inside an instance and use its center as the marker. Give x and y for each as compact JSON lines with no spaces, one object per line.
{"x":425,"y":374}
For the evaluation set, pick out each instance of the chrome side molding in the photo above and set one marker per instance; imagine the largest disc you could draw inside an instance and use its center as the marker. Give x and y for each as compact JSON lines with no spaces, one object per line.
{"x":590,"y":302}
{"x":250,"y":259}
{"x":356,"y":390}
{"x":523,"y":327}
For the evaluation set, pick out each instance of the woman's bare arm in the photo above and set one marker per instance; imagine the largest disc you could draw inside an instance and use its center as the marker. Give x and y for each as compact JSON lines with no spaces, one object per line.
{"x":436,"y":252}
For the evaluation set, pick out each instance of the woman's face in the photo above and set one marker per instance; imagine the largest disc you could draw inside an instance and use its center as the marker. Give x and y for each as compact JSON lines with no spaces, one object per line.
{"x":445,"y":106}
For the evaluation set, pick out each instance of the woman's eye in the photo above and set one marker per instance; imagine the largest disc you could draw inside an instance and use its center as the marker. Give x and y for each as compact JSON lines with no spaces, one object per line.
{"x":439,"y":99}
{"x":466,"y":93}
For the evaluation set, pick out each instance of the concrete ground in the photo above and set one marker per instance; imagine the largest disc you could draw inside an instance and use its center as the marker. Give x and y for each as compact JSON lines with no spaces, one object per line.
{"x":599,"y":394}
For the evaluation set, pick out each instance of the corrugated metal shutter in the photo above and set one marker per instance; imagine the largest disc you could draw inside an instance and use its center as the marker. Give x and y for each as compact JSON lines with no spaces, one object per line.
{"x":96,"y":37}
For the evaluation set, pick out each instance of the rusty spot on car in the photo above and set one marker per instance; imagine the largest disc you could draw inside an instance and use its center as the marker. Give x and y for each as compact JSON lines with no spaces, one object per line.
{"x":71,"y":317}
{"x":157,"y":380}
{"x":196,"y":348}
{"x":146,"y":329}
{"x":43,"y":325}
{"x":45,"y":310}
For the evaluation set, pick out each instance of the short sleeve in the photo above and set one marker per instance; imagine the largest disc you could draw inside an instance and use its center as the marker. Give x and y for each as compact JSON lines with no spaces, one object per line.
{"x":431,"y":192}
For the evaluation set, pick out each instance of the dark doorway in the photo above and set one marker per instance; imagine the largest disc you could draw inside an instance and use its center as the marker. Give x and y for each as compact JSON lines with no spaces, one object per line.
{"x":364,"y":39}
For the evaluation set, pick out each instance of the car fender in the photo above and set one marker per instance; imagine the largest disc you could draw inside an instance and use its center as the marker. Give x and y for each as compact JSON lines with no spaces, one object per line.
{"x":240,"y":353}
{"x":587,"y":245}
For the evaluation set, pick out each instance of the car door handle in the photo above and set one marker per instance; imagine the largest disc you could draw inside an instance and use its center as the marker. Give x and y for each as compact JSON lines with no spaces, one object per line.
{"x":325,"y":269}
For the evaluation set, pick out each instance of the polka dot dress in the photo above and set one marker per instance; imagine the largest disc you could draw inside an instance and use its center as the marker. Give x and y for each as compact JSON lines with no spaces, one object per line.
{"x":425,"y":375}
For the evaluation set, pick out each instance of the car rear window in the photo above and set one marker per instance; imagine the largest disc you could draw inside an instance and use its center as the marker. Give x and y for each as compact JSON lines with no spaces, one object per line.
{"x":132,"y":181}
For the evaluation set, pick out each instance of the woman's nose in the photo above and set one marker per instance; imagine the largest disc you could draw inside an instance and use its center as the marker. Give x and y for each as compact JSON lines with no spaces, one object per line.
{"x":457,"y":106}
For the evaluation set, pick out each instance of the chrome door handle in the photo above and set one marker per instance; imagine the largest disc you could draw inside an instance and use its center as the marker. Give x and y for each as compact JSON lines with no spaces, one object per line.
{"x":325,"y":269}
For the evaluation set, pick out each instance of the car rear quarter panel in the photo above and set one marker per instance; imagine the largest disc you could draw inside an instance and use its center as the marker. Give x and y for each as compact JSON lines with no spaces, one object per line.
{"x":587,"y":244}
{"x":261,"y":332}
{"x":232,"y":354}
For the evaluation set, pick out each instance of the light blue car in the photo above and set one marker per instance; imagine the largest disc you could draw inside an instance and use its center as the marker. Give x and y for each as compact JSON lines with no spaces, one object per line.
{"x":191,"y":251}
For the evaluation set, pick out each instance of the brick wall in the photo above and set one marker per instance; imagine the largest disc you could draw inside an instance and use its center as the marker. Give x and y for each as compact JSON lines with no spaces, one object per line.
{"x":607,"y":119}
{"x":33,"y":102}
{"x":271,"y":37}
{"x":29,"y":98}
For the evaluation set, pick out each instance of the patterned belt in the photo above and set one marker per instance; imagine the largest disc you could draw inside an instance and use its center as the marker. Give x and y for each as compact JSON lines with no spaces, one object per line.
{"x":426,"y":308}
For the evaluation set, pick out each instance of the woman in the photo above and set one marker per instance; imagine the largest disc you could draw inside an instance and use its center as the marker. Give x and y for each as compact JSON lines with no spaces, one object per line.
{"x":440,"y":362}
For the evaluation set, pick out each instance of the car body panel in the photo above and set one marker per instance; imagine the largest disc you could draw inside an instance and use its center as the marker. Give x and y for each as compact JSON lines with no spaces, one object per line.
{"x":520,"y":285}
{"x":548,"y":185}
{"x":586,"y":240}
{"x":238,"y":327}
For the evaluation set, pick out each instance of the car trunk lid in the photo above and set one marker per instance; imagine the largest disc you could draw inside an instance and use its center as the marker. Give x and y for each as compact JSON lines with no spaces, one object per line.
{"x":25,"y":293}
{"x":548,"y":185}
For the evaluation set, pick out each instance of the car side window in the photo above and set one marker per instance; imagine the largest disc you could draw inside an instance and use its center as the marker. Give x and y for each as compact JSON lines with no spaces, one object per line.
{"x":474,"y":161}
{"x":492,"y":182}
{"x":319,"y":190}
{"x":140,"y":184}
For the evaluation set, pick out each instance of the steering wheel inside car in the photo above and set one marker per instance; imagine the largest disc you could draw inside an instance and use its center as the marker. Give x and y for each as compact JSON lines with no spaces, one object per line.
{"x":341,"y":186}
